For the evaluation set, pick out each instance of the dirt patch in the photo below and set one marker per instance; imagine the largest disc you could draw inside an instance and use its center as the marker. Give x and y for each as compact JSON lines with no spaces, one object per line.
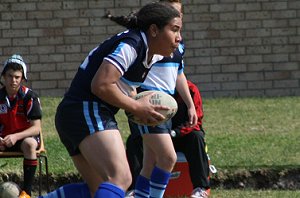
{"x":288,"y":179}
{"x":258,"y":179}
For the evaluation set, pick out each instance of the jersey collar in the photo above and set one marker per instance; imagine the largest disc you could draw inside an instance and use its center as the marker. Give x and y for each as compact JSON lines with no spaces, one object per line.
{"x":155,"y":58}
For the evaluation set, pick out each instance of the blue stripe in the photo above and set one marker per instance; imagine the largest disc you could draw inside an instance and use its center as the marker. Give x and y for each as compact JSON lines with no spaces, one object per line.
{"x":97,"y":116}
{"x":168,"y":64}
{"x":117,"y":51}
{"x":143,"y":129}
{"x":87,"y":117}
{"x":146,"y":129}
{"x":180,"y":71}
{"x":171,"y":92}
{"x":140,"y":129}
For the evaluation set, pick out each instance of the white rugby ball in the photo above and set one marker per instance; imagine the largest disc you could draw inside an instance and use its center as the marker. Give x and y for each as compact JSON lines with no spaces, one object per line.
{"x":158,"y":98}
{"x":9,"y":190}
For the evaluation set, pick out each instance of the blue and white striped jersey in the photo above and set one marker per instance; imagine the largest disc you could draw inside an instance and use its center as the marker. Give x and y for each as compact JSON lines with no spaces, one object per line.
{"x":163,"y":74}
{"x":127,"y":51}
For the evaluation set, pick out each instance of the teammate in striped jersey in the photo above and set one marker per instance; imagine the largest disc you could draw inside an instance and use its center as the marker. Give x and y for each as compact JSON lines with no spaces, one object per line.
{"x":159,"y":154}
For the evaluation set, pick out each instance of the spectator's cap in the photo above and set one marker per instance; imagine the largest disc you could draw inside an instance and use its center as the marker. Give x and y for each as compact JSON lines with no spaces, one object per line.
{"x":16,"y":59}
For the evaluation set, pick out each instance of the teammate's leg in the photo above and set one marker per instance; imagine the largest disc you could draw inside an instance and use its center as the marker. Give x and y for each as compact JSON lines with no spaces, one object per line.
{"x":142,"y":185}
{"x":165,"y":158}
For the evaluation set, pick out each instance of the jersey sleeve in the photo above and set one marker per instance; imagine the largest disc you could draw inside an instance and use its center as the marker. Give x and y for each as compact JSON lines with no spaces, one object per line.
{"x":33,"y":106}
{"x":123,"y":55}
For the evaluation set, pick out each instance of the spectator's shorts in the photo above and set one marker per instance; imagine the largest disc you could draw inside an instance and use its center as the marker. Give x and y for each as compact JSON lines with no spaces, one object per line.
{"x":17,"y":146}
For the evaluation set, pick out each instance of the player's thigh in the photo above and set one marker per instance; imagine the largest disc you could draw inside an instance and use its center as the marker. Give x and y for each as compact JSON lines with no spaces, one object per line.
{"x":105,"y":152}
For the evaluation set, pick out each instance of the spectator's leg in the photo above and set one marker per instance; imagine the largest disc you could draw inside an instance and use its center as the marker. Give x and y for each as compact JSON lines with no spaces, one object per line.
{"x":134,"y":152}
{"x":29,"y":168}
{"x":196,"y":156}
{"x":28,"y":147}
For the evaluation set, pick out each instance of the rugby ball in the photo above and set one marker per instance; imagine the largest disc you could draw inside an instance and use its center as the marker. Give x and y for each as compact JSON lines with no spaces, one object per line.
{"x":9,"y":190}
{"x":158,"y":98}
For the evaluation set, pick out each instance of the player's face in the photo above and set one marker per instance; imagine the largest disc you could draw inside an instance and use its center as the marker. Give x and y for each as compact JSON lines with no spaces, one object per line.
{"x":12,"y":81}
{"x":170,"y":36}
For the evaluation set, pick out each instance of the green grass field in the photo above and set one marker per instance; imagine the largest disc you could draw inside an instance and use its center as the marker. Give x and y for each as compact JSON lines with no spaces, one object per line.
{"x":242,"y":133}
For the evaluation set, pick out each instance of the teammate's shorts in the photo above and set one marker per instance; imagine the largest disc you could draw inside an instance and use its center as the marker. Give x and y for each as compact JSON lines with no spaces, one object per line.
{"x":75,"y":120}
{"x":137,"y":129}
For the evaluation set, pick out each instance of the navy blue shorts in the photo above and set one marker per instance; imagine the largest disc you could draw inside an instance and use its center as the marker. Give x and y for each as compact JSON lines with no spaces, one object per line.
{"x":137,"y":129}
{"x":75,"y":120}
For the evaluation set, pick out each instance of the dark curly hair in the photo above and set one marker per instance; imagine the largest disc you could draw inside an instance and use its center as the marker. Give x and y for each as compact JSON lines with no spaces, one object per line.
{"x":158,"y":13}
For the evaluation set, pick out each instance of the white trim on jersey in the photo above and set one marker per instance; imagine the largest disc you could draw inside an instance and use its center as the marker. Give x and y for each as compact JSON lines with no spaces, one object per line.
{"x":124,"y":54}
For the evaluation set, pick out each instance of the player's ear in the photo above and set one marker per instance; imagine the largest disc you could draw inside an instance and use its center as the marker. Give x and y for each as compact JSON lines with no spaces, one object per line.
{"x":153,"y":30}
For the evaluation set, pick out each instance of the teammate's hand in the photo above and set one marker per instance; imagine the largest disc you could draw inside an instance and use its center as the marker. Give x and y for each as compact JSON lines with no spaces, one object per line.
{"x":193,"y":118}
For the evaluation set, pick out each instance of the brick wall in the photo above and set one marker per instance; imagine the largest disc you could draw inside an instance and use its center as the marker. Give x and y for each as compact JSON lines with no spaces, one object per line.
{"x":233,"y":47}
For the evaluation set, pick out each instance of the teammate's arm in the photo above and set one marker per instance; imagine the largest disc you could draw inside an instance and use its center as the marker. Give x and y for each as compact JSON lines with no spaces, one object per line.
{"x":183,"y":90}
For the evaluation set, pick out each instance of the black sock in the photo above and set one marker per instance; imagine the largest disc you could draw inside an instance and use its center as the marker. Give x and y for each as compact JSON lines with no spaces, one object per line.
{"x":29,"y":168}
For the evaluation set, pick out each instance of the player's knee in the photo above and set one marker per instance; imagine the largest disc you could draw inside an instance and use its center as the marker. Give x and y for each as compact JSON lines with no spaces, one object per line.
{"x":168,"y":161}
{"x":122,"y":177}
{"x":125,"y":180}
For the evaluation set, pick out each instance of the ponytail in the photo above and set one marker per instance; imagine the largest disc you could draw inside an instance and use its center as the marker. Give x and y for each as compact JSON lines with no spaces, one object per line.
{"x":129,"y":21}
{"x":158,"y":13}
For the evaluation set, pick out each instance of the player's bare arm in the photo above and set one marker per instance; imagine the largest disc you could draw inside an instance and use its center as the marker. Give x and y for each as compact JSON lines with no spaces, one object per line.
{"x":104,"y":86}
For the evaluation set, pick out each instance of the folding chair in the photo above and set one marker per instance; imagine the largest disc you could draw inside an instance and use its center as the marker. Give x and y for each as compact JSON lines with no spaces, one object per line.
{"x":41,"y":154}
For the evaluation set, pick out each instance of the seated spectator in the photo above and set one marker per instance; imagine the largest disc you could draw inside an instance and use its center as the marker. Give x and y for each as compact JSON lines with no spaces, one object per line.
{"x":189,"y":140}
{"x":20,"y":118}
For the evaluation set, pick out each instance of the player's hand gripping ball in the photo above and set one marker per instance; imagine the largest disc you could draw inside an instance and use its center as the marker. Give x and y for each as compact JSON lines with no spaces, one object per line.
{"x":158,"y":98}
